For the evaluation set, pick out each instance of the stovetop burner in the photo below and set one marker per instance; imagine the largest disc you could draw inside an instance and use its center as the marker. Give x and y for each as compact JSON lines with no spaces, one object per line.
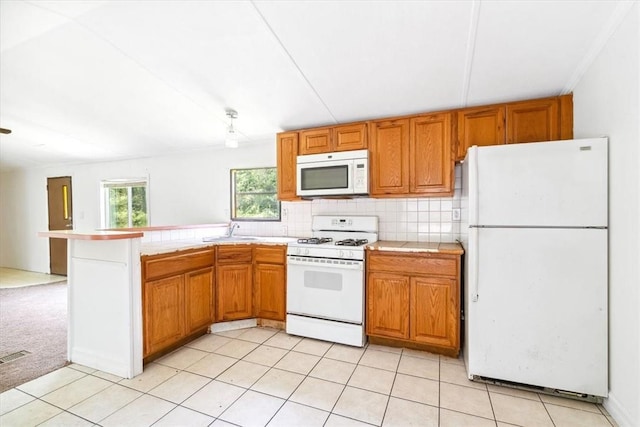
{"x":316,"y":240}
{"x":352,"y":242}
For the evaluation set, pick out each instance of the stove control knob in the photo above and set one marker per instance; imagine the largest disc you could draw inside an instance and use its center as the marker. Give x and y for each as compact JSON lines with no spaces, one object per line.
{"x":298,"y":251}
{"x":351,"y":254}
{"x":306,"y":251}
{"x":341,"y":254}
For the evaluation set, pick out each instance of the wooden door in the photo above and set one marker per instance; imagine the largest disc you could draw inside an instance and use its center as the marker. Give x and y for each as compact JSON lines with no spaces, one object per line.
{"x":287,"y":151}
{"x":163,"y":306}
{"x":315,"y":141}
{"x":389,"y":157}
{"x":350,"y":137}
{"x":430,"y":157}
{"x":234,"y":292}
{"x":388,"y":305}
{"x":270,"y":291}
{"x":480,"y":126}
{"x":199,"y":300}
{"x":60,"y":218}
{"x":532,"y":121}
{"x":434,"y":311}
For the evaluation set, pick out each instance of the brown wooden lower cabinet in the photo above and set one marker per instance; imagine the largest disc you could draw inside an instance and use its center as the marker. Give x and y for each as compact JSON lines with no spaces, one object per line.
{"x":183,"y":293}
{"x":414,"y":299}
{"x":177,"y":297}
{"x":234,"y":301}
{"x":163,"y":313}
{"x":234,"y":279}
{"x":270,"y":283}
{"x":199,"y":293}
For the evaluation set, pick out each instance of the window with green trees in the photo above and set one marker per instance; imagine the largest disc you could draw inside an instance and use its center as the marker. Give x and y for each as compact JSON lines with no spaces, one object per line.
{"x":125,"y":203}
{"x":254,"y":195}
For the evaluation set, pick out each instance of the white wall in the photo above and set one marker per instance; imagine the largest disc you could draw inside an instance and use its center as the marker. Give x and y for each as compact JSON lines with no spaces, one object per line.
{"x":186,"y":188}
{"x":606,"y":104}
{"x":193,"y":188}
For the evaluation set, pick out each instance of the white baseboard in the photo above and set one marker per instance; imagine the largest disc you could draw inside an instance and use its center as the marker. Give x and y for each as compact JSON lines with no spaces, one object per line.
{"x":110,"y":365}
{"x":617,"y":411}
{"x":234,"y":324}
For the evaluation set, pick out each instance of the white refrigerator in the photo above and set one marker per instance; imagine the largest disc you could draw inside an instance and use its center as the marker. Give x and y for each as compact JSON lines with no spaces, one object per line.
{"x":534,"y":229}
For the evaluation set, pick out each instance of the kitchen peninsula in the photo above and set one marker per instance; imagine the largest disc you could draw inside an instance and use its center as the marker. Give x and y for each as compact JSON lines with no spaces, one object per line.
{"x":104,"y":300}
{"x":105,"y":294}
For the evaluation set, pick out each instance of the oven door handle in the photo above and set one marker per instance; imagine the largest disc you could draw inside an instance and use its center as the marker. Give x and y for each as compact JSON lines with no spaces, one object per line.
{"x":345,"y":264}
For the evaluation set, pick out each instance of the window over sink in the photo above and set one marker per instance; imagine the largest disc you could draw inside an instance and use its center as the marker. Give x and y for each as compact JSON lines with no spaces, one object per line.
{"x":254,"y":195}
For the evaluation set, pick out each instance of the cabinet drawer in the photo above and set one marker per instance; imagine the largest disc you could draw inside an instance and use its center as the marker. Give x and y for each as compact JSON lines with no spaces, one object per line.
{"x":234,"y":254}
{"x":443,"y":265}
{"x":270,"y":254}
{"x":175,"y":264}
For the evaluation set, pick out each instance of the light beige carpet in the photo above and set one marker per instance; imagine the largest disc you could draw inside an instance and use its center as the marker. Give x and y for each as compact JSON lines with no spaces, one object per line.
{"x":13,"y":278}
{"x":33,"y":319}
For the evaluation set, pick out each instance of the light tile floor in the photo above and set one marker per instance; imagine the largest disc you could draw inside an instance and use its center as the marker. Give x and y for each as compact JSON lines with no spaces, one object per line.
{"x":264,"y":377}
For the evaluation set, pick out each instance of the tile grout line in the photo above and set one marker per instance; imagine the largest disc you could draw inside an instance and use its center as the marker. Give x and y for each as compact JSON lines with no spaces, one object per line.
{"x":116,"y":381}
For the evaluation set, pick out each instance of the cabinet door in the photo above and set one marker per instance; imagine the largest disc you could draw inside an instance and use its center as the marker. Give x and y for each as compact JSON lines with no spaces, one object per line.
{"x":532,"y":121}
{"x":287,"y":150}
{"x":163,"y":313}
{"x":434,"y":311}
{"x":199,"y":299}
{"x":388,"y":305}
{"x":350,"y":137}
{"x":430,"y":157}
{"x":480,"y":126}
{"x":315,"y":141}
{"x":270,"y":284}
{"x":234,"y":292}
{"x":389,"y":157}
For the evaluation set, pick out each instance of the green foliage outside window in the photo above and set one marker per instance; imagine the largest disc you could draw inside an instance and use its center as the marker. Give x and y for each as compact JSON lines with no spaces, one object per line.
{"x":254,"y":195}
{"x":125,"y":204}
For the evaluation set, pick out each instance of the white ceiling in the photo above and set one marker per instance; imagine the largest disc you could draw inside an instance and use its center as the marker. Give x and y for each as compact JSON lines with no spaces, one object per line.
{"x":84,"y":81}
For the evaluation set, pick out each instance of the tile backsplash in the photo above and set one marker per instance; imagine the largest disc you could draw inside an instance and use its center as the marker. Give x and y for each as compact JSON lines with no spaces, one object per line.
{"x":428,"y":219}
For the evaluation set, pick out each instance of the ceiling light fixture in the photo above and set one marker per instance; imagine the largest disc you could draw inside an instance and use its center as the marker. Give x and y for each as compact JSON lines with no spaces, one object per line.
{"x":231,"y":139}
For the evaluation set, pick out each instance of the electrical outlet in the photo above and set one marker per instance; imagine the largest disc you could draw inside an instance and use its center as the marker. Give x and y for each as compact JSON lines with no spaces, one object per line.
{"x":284,"y":230}
{"x":455,"y":214}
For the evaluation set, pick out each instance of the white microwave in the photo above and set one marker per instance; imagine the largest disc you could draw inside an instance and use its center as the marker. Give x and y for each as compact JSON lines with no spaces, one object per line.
{"x":342,"y":173}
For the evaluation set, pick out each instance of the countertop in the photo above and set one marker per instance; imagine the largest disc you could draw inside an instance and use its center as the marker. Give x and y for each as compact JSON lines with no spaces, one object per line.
{"x":433,"y":247}
{"x":91,"y":235}
{"x":156,"y":248}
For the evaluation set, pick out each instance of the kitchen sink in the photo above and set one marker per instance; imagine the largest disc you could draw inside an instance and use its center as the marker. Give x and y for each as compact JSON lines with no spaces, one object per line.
{"x":230,"y":239}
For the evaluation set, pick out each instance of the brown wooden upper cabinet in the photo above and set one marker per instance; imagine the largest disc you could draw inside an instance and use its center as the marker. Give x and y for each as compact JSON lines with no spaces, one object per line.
{"x":414,"y":155}
{"x":545,"y":119}
{"x":389,"y":157}
{"x":479,"y":126}
{"x":339,"y":138}
{"x":287,"y":151}
{"x":533,"y":121}
{"x":411,"y":156}
{"x":430,"y":155}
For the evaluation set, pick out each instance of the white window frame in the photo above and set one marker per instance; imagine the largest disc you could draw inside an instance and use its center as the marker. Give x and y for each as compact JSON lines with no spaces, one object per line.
{"x":129,"y":183}
{"x":232,"y":211}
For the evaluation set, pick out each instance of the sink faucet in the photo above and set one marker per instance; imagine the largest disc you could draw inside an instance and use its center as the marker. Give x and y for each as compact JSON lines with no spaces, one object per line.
{"x":231,"y":228}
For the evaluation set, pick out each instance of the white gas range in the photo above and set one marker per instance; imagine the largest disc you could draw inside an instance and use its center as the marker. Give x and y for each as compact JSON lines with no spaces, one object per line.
{"x":325,"y":279}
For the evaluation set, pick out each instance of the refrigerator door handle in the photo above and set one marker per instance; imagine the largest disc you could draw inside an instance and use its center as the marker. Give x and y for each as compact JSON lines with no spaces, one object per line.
{"x":473,"y":263}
